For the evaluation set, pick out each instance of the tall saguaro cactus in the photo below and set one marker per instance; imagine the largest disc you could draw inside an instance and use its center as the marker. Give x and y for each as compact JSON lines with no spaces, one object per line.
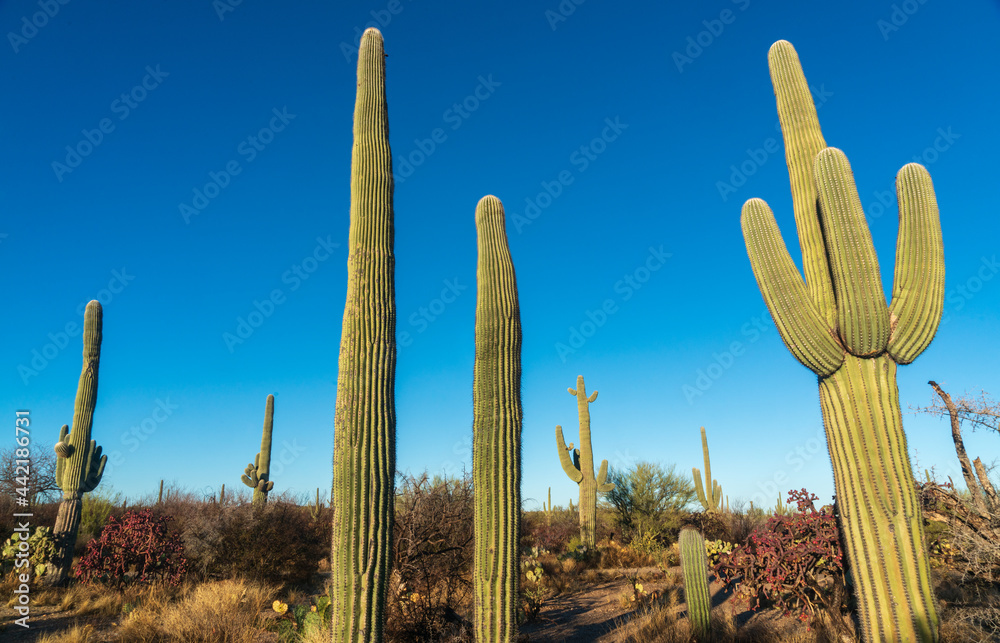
{"x":836,"y":322}
{"x":257,"y":476}
{"x":709,"y":493}
{"x":79,"y":463}
{"x":580,"y":468}
{"x":364,"y":446}
{"x":496,"y":425}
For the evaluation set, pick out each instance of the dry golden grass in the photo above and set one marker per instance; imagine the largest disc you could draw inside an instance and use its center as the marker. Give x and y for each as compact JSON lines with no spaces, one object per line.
{"x":663,"y":622}
{"x":218,"y":612}
{"x":76,"y":634}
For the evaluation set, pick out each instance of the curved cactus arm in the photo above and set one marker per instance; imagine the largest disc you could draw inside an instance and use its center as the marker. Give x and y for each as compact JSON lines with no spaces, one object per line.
{"x":862,"y":314}
{"x":699,"y":488}
{"x":603,"y":485}
{"x":803,"y":140}
{"x":63,"y":451}
{"x":95,"y":467}
{"x":808,"y":336}
{"x":592,"y":398}
{"x":572,"y":470}
{"x":918,"y":283}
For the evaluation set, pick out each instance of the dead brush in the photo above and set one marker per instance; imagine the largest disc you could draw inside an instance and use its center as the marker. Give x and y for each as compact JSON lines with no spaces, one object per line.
{"x":228,"y":611}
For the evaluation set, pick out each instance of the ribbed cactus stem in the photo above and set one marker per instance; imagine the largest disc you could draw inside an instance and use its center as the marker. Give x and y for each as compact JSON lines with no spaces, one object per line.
{"x":159,"y":496}
{"x":709,"y":493}
{"x":836,"y":323}
{"x":694,"y":562}
{"x":364,"y":447}
{"x":79,"y":463}
{"x":548,"y":510}
{"x":257,"y":475}
{"x":497,"y":416}
{"x":222,"y":493}
{"x":580,"y":468}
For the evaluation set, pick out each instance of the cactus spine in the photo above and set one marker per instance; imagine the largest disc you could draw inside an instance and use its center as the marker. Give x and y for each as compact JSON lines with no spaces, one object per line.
{"x":497,"y":416}
{"x":711,"y":501}
{"x":257,"y":475}
{"x":364,"y":448}
{"x":79,"y":463}
{"x":580,"y":468}
{"x":836,"y":322}
{"x":696,"y":593}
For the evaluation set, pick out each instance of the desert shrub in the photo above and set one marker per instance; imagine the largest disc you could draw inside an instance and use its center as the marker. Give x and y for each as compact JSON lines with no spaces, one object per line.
{"x":276,"y":543}
{"x":553,"y":534}
{"x":741,"y":521}
{"x":615,"y":555}
{"x":649,"y":501}
{"x":712,"y":524}
{"x":793,"y":563}
{"x":138,"y":547}
{"x":433,"y":556}
{"x":97,"y":506}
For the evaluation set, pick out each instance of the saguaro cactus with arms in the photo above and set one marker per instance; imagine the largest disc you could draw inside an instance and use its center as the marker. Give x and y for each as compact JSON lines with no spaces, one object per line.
{"x":836,"y":323}
{"x":580,"y":468}
{"x":79,"y":463}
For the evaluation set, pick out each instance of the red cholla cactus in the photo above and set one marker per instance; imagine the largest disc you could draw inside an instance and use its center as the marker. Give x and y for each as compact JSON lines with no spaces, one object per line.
{"x":135,"y":548}
{"x":791,"y":562}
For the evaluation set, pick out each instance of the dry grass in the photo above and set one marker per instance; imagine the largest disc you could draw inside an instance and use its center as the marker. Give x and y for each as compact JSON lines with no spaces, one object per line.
{"x":664,"y":622}
{"x":76,"y":634}
{"x":218,"y":612}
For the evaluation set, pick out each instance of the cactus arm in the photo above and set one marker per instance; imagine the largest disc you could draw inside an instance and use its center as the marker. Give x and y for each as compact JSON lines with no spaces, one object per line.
{"x":803,"y":329}
{"x":708,"y":464}
{"x":862,"y":314}
{"x":803,"y":140}
{"x":918,"y":283}
{"x":603,"y":486}
{"x":573,"y":471}
{"x":699,"y":488}
{"x":593,"y":397}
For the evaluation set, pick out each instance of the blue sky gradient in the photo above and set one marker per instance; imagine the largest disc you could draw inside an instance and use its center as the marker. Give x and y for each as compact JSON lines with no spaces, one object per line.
{"x":188,"y":163}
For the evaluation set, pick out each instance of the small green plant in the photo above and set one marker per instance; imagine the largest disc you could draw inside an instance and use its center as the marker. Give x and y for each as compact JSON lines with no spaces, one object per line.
{"x":97,"y":506}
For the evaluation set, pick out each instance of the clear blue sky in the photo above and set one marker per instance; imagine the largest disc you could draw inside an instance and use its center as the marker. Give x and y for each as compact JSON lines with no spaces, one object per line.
{"x":119,"y":115}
